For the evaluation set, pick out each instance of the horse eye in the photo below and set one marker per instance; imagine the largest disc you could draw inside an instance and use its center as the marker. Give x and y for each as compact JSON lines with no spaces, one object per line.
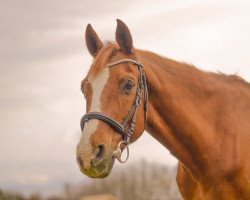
{"x":128,"y":86}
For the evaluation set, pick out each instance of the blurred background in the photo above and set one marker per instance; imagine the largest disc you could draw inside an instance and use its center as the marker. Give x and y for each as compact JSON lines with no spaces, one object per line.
{"x":43,"y":59}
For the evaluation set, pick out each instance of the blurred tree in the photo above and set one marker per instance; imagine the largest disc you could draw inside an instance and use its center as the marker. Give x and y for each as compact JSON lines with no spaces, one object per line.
{"x":11,"y":196}
{"x":35,"y":196}
{"x":55,"y":197}
{"x":140,"y":181}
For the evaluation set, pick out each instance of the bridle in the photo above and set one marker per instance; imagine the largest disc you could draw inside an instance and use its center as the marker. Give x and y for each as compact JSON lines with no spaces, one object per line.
{"x":125,"y":128}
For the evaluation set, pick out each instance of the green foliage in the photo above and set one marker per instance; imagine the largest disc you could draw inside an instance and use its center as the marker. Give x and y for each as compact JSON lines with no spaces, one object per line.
{"x":10,"y":196}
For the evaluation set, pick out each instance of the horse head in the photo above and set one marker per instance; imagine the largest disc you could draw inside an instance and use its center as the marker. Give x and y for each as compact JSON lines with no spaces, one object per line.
{"x":113,"y":89}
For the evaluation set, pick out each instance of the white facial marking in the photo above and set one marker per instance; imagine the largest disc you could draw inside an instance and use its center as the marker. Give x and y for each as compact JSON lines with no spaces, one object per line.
{"x":97,"y":84}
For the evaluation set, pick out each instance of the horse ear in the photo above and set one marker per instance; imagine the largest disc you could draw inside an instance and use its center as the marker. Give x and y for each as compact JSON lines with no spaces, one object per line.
{"x":93,"y":42}
{"x":123,"y":37}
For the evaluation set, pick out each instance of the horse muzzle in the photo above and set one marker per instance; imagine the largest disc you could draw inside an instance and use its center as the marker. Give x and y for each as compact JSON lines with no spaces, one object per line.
{"x":95,"y":165}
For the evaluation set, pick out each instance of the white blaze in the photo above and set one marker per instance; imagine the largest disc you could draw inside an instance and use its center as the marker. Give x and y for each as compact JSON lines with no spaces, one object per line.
{"x":97,"y":84}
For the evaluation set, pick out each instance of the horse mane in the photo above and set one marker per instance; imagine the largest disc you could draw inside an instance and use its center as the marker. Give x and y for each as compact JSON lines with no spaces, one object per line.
{"x":185,"y":70}
{"x":234,"y":77}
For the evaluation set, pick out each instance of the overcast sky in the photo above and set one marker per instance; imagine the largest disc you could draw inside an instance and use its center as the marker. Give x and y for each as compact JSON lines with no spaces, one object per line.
{"x":43,"y":59}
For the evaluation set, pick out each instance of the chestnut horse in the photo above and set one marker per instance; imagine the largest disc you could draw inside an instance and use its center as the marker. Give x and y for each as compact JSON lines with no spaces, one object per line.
{"x":202,"y":118}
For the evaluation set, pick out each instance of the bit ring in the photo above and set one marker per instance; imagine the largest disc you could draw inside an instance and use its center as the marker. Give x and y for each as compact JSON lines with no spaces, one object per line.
{"x":118,"y":152}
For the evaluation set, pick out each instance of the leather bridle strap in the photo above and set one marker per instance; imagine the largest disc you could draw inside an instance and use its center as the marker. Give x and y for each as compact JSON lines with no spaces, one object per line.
{"x":96,"y":115}
{"x":124,"y":60}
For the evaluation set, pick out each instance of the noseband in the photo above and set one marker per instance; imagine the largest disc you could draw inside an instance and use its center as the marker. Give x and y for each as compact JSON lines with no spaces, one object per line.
{"x":125,"y":128}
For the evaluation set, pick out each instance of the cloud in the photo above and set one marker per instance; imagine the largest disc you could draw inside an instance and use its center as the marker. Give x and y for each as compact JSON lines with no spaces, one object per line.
{"x":40,"y":30}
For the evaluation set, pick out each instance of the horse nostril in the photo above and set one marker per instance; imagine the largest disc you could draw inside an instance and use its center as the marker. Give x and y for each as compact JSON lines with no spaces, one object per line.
{"x":99,"y":155}
{"x":79,"y":161}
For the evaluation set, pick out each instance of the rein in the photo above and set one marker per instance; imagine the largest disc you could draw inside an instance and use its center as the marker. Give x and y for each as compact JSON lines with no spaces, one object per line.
{"x":125,"y":129}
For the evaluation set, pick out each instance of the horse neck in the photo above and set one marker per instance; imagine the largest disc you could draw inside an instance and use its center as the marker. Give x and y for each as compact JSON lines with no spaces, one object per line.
{"x":177,"y":93}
